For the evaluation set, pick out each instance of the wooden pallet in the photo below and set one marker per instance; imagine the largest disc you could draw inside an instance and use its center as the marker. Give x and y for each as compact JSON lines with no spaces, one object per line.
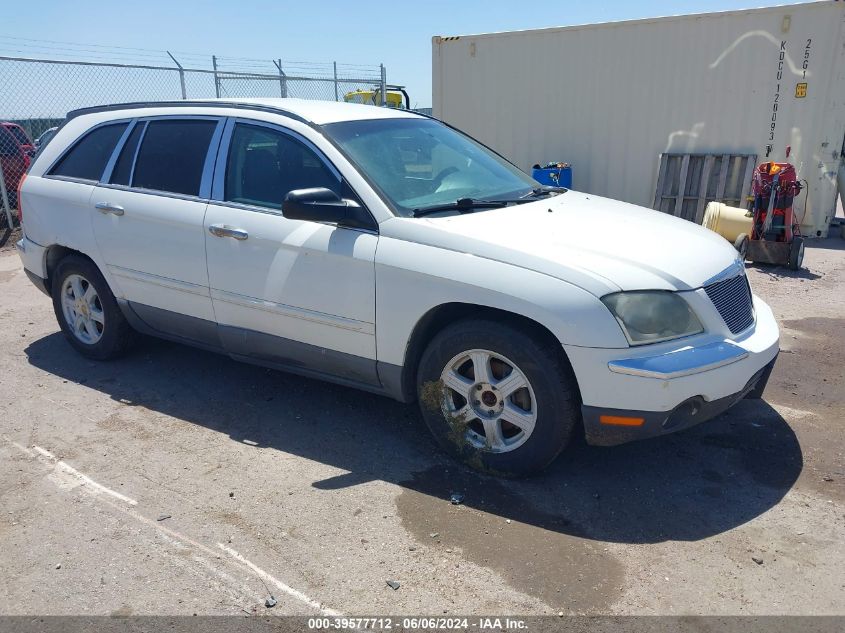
{"x":687,"y":182}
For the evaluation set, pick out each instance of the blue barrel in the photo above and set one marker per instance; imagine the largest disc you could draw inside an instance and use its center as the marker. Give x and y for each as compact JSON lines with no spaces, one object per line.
{"x":553,"y":174}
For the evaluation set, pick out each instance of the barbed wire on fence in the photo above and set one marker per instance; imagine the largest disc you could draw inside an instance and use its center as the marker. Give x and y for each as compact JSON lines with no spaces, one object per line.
{"x":39,"y":92}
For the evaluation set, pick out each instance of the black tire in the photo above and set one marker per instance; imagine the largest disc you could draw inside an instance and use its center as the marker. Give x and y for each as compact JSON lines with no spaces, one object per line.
{"x":116,"y":334}
{"x":741,"y":246}
{"x":554,"y":389}
{"x":796,"y":253}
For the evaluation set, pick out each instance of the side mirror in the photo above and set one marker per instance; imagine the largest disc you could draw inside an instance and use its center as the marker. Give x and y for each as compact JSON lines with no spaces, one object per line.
{"x":316,"y":205}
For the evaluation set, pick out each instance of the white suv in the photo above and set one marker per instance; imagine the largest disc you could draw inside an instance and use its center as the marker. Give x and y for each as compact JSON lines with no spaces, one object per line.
{"x":387,"y":251}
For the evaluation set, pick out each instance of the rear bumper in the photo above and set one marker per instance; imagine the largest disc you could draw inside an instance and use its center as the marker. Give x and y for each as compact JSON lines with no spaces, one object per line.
{"x":689,"y":413}
{"x":33,"y":259}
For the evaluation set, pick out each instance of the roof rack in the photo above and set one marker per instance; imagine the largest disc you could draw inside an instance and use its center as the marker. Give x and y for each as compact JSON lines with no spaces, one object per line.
{"x":174,"y":104}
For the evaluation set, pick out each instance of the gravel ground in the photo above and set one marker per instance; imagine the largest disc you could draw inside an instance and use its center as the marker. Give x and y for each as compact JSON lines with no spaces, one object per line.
{"x":177,"y":481}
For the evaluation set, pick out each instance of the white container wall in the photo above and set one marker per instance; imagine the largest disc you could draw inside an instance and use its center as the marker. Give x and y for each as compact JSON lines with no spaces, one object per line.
{"x":609,"y":98}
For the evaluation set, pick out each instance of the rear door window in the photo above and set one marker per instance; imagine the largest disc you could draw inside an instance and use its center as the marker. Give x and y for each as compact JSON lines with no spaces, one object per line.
{"x":87,"y":159}
{"x":172,"y":155}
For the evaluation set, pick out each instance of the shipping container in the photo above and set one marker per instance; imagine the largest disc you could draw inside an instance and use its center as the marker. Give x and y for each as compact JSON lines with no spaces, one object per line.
{"x":611,"y":98}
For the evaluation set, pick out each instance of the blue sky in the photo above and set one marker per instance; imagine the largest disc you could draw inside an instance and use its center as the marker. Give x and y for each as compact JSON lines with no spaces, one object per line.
{"x":396,"y":33}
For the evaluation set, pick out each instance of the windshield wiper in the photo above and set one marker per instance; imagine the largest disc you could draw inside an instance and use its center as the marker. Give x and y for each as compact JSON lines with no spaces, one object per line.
{"x":462,"y":205}
{"x":536,"y":192}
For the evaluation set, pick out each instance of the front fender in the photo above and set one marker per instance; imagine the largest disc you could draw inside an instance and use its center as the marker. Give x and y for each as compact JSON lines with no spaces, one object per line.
{"x":412,"y":279}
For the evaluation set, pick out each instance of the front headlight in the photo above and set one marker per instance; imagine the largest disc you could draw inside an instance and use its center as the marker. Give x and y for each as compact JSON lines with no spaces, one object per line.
{"x":652,"y":316}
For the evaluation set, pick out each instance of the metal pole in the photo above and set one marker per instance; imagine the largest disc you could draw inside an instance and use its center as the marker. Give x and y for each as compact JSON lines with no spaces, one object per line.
{"x":5,"y":199}
{"x":383,"y":85}
{"x":216,"y":78}
{"x":335,"y":81}
{"x":840,"y":181}
{"x":181,"y":75}
{"x":283,"y":79}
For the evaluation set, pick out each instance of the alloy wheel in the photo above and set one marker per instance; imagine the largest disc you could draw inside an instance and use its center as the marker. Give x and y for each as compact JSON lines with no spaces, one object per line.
{"x":82,"y":309}
{"x":491,"y":398}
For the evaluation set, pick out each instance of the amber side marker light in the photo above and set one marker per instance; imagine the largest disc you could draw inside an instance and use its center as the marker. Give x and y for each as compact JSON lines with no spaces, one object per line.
{"x":618,"y":420}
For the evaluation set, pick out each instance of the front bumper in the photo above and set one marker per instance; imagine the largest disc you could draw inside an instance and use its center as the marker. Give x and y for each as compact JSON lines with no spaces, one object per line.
{"x":656,"y":389}
{"x":654,"y":423}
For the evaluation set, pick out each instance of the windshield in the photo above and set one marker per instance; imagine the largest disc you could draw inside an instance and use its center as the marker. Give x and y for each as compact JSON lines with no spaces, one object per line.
{"x":420,"y":163}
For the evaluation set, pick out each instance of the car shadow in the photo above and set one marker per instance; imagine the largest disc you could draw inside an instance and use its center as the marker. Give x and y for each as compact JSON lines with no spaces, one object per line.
{"x":686,"y":486}
{"x":776,"y":270}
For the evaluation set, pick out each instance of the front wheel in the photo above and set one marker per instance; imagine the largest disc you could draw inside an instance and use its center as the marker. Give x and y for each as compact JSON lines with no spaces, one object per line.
{"x":497,"y":398}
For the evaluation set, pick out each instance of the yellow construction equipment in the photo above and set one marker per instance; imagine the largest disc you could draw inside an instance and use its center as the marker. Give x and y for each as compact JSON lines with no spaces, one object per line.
{"x":395,"y":97}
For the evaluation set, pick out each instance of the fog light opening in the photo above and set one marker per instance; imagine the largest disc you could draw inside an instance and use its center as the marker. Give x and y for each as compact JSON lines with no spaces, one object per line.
{"x":684,"y":412}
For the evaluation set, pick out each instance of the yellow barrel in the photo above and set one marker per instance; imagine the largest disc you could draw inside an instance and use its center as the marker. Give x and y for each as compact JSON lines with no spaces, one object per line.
{"x":729,"y":222}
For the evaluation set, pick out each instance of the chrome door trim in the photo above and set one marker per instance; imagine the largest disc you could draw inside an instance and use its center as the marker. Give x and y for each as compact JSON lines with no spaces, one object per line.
{"x":207,"y":180}
{"x":135,"y":154}
{"x":81,"y":181}
{"x":219,"y":183}
{"x":150,"y":192}
{"x":293,"y":312}
{"x":157,"y":280}
{"x":109,"y":168}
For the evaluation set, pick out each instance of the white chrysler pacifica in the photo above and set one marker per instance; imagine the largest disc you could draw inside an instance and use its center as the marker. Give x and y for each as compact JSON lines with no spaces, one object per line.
{"x":387,"y":251}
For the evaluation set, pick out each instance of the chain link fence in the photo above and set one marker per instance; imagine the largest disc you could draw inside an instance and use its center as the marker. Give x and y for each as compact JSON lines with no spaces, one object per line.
{"x":38,"y":93}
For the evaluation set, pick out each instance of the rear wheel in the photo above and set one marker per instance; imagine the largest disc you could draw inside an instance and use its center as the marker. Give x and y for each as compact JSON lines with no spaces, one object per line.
{"x":496,"y":397}
{"x":796,"y":253}
{"x":87,"y":310}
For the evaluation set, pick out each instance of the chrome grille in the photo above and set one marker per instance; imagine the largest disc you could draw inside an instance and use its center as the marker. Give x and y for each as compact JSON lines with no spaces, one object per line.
{"x":732,"y":298}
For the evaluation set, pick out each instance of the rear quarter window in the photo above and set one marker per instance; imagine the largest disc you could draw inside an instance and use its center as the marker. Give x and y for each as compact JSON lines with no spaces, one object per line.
{"x":88,"y":157}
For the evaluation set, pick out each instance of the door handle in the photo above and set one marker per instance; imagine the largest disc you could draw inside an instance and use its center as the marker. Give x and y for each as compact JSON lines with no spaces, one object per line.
{"x":108,"y":207}
{"x":223,"y":230}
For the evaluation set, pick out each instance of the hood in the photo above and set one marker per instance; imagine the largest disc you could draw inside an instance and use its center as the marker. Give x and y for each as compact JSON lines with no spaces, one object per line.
{"x":598,"y":244}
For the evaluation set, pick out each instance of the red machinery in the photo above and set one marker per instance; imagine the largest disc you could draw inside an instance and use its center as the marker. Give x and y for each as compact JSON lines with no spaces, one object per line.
{"x":775,"y":234}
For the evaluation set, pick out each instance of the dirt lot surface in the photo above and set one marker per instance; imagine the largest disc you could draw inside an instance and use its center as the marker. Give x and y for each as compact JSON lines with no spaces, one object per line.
{"x":178,"y":481}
